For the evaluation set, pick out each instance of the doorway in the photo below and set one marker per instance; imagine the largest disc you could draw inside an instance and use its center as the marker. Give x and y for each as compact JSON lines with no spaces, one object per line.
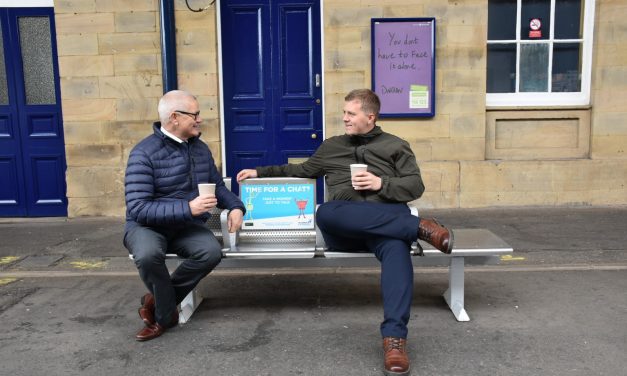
{"x":271,"y":82}
{"x":32,"y":148}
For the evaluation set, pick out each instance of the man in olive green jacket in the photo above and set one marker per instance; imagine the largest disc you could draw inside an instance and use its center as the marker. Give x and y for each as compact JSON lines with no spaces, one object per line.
{"x":368,"y":211}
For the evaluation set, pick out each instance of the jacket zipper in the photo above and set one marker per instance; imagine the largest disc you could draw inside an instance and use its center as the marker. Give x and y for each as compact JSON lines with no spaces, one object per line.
{"x":192,"y":166}
{"x":361,"y":159}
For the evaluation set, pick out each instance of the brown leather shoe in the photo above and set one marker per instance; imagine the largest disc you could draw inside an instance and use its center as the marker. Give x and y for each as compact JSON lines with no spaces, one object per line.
{"x":147,"y":310}
{"x":396,"y":361}
{"x":435,"y":234}
{"x":150,"y":332}
{"x":155,"y":330}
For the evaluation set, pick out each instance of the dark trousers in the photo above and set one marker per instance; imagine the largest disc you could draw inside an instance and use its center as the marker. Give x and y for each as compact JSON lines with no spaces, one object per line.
{"x":148,"y":245}
{"x":387,"y":230}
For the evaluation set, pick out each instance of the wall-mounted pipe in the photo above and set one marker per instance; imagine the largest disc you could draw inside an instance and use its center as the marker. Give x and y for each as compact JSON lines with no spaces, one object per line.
{"x":168,"y":45}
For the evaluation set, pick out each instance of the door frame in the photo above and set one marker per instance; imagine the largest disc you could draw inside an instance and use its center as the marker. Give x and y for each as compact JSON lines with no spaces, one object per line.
{"x":221,"y":81}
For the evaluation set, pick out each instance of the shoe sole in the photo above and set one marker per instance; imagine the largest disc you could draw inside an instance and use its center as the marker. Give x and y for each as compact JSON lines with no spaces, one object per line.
{"x":451,"y":242}
{"x":144,"y":339}
{"x":391,"y":373}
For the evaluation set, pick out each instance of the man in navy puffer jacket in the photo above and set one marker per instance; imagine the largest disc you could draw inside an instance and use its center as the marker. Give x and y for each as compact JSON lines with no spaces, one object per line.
{"x":166,"y":214}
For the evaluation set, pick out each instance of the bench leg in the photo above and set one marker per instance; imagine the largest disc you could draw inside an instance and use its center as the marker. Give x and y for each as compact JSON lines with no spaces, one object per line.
{"x":189,"y":305}
{"x":454,"y":296}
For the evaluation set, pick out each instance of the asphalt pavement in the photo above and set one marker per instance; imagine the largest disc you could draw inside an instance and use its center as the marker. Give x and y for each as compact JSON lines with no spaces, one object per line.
{"x":69,"y":298}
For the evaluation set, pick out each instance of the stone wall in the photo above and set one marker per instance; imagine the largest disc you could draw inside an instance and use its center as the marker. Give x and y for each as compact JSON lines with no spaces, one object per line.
{"x":110,"y":68}
{"x":572,"y":156}
{"x":609,"y":82}
{"x":109,"y":56}
{"x":457,"y":132}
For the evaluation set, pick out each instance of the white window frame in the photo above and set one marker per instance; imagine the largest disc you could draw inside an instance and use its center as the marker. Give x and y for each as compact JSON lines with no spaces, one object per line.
{"x":543,"y":99}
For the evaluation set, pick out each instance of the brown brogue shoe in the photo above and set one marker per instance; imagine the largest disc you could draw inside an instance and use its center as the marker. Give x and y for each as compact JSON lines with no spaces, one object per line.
{"x":155,"y":330}
{"x":150,"y":332}
{"x":396,"y":362}
{"x":435,"y":234}
{"x":147,"y":310}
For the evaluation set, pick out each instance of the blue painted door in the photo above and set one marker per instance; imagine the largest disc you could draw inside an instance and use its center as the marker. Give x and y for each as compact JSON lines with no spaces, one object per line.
{"x":271,"y":54}
{"x":32,"y":151}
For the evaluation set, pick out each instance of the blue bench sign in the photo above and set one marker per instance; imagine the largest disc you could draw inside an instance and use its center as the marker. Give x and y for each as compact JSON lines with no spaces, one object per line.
{"x":278,"y":204}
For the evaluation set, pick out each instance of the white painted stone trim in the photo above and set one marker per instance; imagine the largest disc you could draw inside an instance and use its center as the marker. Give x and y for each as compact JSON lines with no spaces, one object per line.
{"x":26,"y":3}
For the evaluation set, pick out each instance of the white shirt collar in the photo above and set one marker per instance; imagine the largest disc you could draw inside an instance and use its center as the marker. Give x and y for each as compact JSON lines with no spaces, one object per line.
{"x":165,"y":132}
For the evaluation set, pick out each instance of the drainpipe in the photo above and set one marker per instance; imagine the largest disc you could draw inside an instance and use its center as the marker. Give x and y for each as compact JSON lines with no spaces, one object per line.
{"x":168,"y":45}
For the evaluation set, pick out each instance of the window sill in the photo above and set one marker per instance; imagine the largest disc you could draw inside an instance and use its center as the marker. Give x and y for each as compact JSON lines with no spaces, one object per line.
{"x":537,"y":108}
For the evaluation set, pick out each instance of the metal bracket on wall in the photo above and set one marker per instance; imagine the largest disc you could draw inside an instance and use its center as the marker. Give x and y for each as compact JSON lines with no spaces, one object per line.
{"x":199,"y":9}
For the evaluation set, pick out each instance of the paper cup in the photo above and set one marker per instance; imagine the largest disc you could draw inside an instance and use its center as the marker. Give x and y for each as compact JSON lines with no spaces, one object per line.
{"x":206,"y":189}
{"x":356,"y":167}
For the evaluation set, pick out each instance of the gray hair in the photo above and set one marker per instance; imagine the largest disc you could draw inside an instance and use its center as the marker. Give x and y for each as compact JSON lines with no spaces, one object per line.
{"x":172,"y":101}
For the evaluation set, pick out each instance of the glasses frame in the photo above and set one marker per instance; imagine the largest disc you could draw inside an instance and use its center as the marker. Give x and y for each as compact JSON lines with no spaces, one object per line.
{"x":194,"y":115}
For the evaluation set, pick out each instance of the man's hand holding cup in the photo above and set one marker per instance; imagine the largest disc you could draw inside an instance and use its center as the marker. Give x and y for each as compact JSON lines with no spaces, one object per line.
{"x":363,"y":180}
{"x":205,"y":201}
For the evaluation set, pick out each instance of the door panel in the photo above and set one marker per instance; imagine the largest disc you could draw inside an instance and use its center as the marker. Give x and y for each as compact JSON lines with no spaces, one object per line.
{"x":300,"y":126}
{"x":47,"y":187}
{"x":247,"y":37}
{"x":246,"y":68}
{"x":10,"y":189}
{"x":12,"y":184}
{"x":42,"y":125}
{"x":270,"y":57}
{"x":295,"y":25}
{"x":33,"y":114}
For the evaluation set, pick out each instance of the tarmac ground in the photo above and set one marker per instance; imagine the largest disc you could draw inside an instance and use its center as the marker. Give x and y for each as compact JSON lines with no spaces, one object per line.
{"x":69,"y":298}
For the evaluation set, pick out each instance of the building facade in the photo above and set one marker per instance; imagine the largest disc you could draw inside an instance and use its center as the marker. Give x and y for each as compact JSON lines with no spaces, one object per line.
{"x":495,"y":139}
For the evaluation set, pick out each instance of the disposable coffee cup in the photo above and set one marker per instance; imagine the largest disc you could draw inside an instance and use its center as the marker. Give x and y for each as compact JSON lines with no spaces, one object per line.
{"x":357,"y":167}
{"x":206,"y":189}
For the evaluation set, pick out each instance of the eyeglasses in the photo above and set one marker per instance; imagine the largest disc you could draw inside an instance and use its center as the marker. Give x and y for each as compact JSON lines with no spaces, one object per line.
{"x":194,"y":115}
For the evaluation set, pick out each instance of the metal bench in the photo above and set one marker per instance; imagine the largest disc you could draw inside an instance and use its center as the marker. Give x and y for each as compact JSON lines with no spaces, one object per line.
{"x":307,"y":248}
{"x":298,"y":248}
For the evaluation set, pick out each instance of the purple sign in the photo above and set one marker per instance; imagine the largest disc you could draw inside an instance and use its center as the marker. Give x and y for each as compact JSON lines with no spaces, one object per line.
{"x":403,"y":66}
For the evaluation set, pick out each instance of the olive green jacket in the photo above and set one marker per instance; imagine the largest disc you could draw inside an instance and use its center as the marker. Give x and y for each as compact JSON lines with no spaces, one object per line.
{"x":387,"y":156}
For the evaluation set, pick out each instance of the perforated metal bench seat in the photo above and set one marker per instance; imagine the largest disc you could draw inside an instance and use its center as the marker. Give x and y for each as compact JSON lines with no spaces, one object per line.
{"x":273,"y":244}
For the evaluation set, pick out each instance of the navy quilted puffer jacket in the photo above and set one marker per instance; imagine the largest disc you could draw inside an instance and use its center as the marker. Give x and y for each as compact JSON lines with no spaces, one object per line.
{"x":162,"y":176}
